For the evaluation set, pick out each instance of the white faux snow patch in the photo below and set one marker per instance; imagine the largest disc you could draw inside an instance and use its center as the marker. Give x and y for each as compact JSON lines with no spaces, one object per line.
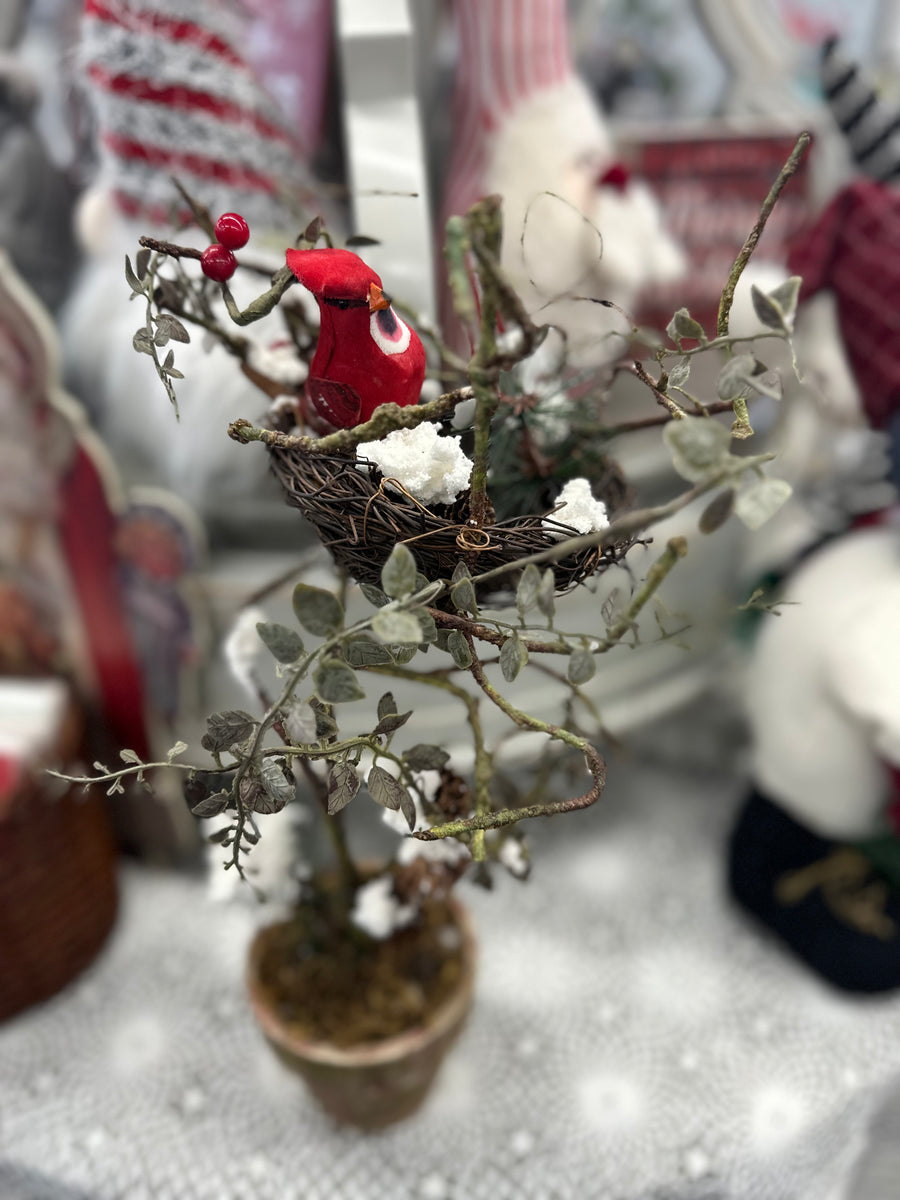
{"x":578,"y":509}
{"x":433,"y":469}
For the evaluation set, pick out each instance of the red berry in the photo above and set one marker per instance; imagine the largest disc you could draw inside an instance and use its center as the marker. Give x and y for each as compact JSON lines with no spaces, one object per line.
{"x":232,"y":230}
{"x":217,"y":263}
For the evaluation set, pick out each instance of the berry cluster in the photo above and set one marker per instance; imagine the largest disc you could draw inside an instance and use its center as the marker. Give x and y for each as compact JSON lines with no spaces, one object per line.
{"x":217,"y":262}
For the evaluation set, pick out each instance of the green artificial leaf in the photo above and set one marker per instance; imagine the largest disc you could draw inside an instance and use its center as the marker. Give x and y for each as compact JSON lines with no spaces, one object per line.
{"x":130,"y":756}
{"x":285,"y":645}
{"x":211,"y":806}
{"x":717,"y":512}
{"x":459,"y":649}
{"x":336,"y":683}
{"x":141,"y":262}
{"x":757,"y":503}
{"x":317,"y":610}
{"x":394,"y":625}
{"x":277,"y":784}
{"x":174,"y":751}
{"x":582,"y":666}
{"x":513,"y":657}
{"x":398,"y":575}
{"x":326,"y":725}
{"x":527,"y":590}
{"x":462,"y":591}
{"x":422,"y":757}
{"x":142,"y":342}
{"x":683,"y":325}
{"x":227,"y":729}
{"x":404,"y":653}
{"x":680,"y":373}
{"x":132,"y":279}
{"x":546,"y":597}
{"x":786,"y":296}
{"x":386,"y":705}
{"x":613,"y":606}
{"x":426,"y":624}
{"x":169,"y":328}
{"x":391,"y":722}
{"x":364,"y":652}
{"x":343,"y":785}
{"x":374,"y":595}
{"x":736,"y":377}
{"x":698,"y":446}
{"x":408,"y":808}
{"x":384,"y":788}
{"x":220,"y":836}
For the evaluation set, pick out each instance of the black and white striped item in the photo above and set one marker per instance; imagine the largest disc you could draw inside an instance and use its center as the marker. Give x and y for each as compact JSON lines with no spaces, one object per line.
{"x":871,"y":128}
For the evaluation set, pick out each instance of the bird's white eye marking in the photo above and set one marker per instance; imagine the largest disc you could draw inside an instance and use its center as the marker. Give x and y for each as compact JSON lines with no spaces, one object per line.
{"x":390,"y":333}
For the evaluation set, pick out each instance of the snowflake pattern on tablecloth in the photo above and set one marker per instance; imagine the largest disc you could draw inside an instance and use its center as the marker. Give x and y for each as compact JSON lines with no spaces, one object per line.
{"x":632,"y":1039}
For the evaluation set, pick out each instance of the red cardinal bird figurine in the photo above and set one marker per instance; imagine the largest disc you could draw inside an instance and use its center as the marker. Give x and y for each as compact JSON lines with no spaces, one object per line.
{"x":366,"y":355}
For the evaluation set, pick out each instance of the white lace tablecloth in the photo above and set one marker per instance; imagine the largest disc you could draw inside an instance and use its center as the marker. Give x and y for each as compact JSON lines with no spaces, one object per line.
{"x":632,"y":1038}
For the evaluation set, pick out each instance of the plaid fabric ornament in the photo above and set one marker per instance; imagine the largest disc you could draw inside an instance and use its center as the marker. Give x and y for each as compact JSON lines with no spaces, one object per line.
{"x":853,"y":250}
{"x":174,"y":96}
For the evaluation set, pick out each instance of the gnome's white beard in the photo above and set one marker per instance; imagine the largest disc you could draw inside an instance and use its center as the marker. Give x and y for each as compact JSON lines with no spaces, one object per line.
{"x":822,"y":690}
{"x":564,"y":236}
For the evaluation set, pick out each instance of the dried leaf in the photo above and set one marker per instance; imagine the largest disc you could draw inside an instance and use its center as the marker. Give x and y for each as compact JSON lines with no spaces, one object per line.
{"x":384,"y":788}
{"x":343,"y":786}
{"x":226,"y":729}
{"x":422,"y":757}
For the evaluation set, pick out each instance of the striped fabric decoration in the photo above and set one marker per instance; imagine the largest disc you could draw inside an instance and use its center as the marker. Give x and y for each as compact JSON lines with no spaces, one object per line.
{"x":508,"y":51}
{"x":173,"y":96}
{"x":872,"y":130}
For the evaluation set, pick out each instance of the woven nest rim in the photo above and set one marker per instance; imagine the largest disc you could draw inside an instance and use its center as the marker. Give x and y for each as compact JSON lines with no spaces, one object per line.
{"x":360,"y":517}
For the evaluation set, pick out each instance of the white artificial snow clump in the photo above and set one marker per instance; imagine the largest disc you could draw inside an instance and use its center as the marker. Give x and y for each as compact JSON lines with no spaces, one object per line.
{"x":377,"y":911}
{"x":512,"y":855}
{"x":243,"y":647}
{"x":446,"y":850}
{"x":278,"y":361}
{"x":433,"y":469}
{"x":578,"y":509}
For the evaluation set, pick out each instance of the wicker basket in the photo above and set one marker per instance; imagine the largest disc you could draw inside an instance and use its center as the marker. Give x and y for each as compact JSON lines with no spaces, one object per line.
{"x":58,"y":891}
{"x":360,"y":519}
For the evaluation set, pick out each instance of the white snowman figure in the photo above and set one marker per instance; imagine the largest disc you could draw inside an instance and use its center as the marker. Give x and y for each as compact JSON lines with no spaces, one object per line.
{"x":815,"y":854}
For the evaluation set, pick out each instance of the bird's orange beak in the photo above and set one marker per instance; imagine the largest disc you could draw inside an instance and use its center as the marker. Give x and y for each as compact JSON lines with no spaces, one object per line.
{"x":377,"y":298}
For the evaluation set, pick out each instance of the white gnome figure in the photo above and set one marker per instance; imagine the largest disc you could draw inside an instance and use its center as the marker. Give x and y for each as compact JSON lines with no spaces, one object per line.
{"x":174,"y":95}
{"x":815,"y":854}
{"x":575,"y":223}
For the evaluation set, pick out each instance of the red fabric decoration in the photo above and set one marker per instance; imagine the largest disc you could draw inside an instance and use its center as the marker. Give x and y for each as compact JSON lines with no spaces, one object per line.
{"x":854,"y":250}
{"x":366,"y":355}
{"x":615,"y":176}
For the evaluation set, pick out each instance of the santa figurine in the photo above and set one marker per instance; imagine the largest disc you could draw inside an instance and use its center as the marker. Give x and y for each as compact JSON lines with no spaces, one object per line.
{"x":576,"y":222}
{"x":815,"y":854}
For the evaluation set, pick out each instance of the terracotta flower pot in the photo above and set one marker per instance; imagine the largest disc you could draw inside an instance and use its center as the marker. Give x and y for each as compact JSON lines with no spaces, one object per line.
{"x":374,"y":1084}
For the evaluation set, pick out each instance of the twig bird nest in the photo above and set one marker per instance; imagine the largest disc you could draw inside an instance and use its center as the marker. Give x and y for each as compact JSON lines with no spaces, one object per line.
{"x":359,"y":518}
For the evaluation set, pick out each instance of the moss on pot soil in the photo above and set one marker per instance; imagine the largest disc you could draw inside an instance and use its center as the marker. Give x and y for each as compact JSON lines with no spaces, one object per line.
{"x":331,"y":983}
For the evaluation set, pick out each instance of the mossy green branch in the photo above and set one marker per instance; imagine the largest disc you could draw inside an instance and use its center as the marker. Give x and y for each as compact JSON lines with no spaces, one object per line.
{"x":385,"y":418}
{"x":484,"y":760}
{"x":262,"y":305}
{"x":485,"y":231}
{"x":742,"y":427}
{"x":494,"y":820}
